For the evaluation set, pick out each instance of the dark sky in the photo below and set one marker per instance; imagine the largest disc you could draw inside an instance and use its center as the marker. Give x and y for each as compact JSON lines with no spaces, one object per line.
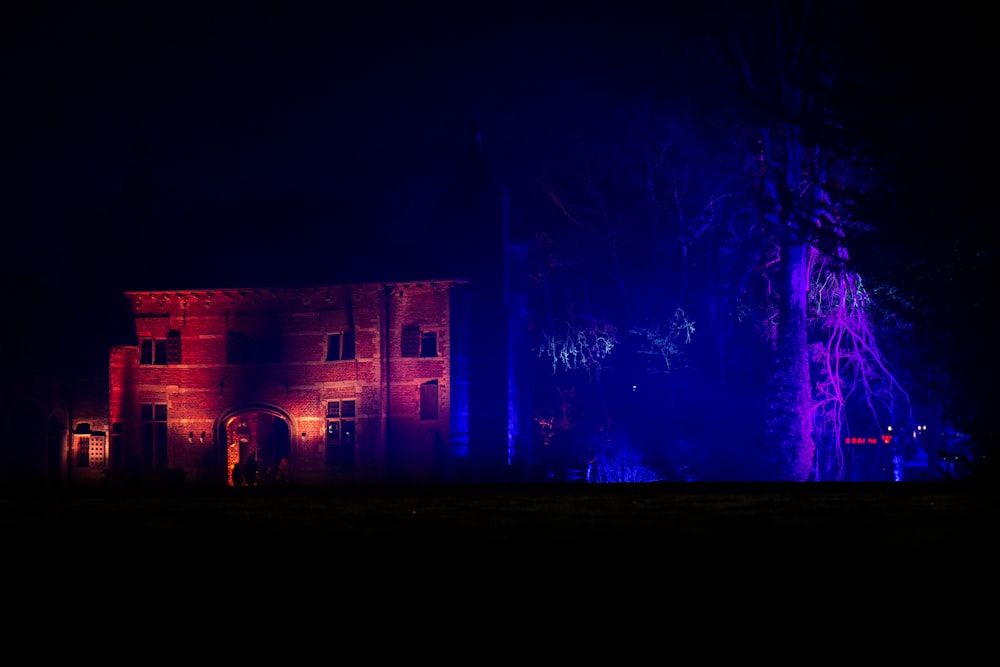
{"x":303,"y":116}
{"x":296,"y":114}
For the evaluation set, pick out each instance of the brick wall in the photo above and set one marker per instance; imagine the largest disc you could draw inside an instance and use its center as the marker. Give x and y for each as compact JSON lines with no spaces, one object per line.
{"x":205,"y":393}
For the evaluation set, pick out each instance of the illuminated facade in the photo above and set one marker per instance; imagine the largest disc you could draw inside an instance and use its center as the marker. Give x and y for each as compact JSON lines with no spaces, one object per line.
{"x":360,"y":382}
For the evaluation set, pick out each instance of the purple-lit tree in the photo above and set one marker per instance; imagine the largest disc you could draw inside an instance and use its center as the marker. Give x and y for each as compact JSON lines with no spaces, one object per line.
{"x":854,"y":383}
{"x":667,"y":226}
{"x":805,"y":177}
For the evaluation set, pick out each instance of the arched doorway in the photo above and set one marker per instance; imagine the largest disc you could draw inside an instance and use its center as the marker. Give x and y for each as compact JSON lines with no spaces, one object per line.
{"x":258,"y":445}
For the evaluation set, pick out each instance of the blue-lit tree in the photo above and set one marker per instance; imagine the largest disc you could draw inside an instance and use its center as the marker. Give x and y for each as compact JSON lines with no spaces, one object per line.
{"x":627,"y":266}
{"x":808,"y":171}
{"x":669,"y":226}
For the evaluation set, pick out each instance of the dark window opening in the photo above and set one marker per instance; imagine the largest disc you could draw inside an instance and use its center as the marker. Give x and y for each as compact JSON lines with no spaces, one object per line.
{"x":160,"y":352}
{"x":234,"y":347}
{"x":340,"y":346}
{"x":245,"y":349}
{"x":152,"y":352}
{"x":428,"y":344}
{"x":418,"y":344}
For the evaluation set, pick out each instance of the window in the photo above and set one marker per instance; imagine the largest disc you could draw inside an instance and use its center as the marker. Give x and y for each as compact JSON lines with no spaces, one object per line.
{"x":411,"y":342}
{"x":153,"y":352}
{"x":429,"y":344}
{"x":417,"y":344}
{"x":173,"y":347}
{"x":242,"y":348}
{"x":340,"y":346}
{"x":234,"y":347}
{"x":83,"y":452}
{"x":160,"y":352}
{"x":429,"y":400}
{"x":340,"y":433}
{"x":153,"y":423}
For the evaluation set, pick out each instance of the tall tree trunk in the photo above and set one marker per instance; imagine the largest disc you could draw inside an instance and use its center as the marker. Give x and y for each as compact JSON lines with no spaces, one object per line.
{"x":791,"y":389}
{"x":792,"y":398}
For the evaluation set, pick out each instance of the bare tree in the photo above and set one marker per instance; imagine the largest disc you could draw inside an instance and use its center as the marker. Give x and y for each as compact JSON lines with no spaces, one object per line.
{"x":623,"y":267}
{"x":666,"y":229}
{"x":823,"y":340}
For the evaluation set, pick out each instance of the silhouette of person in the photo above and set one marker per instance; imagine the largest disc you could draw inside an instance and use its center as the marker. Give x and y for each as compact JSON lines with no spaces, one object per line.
{"x":237,"y":474}
{"x":250,"y":470}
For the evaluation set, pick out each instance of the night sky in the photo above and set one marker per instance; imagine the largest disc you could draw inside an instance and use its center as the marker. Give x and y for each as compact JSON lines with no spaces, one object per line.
{"x":311,"y":116}
{"x":298,"y":124}
{"x":243,"y":144}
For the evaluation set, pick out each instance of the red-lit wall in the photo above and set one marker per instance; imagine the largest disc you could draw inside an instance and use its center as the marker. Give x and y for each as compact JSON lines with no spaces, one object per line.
{"x":203,"y":392}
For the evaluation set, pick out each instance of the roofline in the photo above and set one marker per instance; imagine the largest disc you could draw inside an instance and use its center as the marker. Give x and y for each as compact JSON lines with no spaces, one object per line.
{"x":261,"y":291}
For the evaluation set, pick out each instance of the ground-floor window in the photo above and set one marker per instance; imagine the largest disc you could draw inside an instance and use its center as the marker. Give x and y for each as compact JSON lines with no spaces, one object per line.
{"x":83,"y":452}
{"x":153,"y":422}
{"x":340,"y":437}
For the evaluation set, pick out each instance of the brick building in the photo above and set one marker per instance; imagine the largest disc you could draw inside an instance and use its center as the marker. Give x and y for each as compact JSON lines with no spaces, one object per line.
{"x":379,"y":378}
{"x":362,"y":382}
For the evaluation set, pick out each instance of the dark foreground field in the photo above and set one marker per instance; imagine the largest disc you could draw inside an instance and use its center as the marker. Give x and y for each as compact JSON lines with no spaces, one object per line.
{"x":720,"y":548}
{"x":571,"y":566}
{"x":694,"y":517}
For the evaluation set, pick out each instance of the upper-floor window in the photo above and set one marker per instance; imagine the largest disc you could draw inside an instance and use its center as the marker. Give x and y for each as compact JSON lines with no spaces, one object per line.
{"x":416,"y":343}
{"x":429,"y":344}
{"x":340,"y":346}
{"x":243,"y":348}
{"x":160,"y":351}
